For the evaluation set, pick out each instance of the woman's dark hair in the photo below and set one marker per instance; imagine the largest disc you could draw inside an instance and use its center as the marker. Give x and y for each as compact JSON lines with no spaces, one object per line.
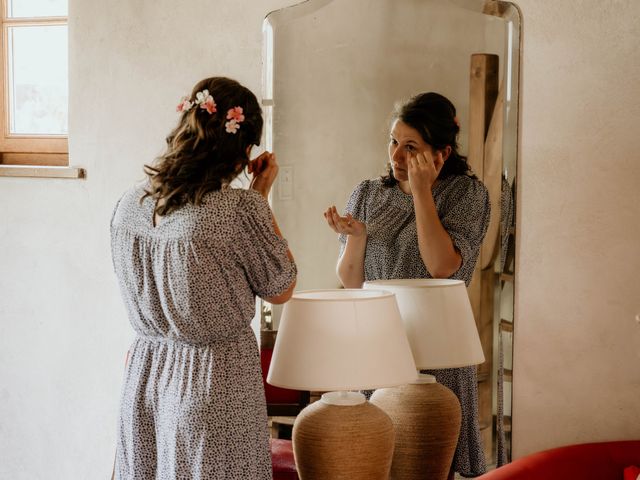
{"x":434,"y":117}
{"x":201,"y":154}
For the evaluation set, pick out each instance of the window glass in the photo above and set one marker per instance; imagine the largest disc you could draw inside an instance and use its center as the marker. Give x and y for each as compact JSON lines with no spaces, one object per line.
{"x":37,"y":79}
{"x":37,"y":8}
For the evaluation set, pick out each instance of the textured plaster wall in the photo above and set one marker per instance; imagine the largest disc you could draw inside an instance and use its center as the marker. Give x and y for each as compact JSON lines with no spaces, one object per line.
{"x":577,"y":337}
{"x":63,"y":328}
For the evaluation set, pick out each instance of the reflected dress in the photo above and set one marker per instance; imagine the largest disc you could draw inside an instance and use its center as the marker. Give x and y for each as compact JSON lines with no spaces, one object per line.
{"x":193,"y":403}
{"x":392,"y":252}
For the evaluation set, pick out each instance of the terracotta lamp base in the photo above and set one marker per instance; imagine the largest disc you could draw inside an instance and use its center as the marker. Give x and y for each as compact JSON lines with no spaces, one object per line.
{"x":427,"y":418}
{"x":335,"y":440}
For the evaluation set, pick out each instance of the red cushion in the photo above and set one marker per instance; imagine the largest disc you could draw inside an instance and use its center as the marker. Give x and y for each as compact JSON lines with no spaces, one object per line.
{"x":284,"y":465}
{"x":275,"y":394}
{"x":588,"y":461}
{"x":632,"y":473}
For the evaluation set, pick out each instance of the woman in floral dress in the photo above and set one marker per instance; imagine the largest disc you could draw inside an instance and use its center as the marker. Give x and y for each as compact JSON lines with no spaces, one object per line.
{"x":425,"y":219}
{"x":191,"y":254}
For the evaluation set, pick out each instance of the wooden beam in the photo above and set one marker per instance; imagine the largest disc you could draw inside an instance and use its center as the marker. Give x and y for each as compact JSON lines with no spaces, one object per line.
{"x":492,"y":178}
{"x":495,"y":8}
{"x":482,"y":98}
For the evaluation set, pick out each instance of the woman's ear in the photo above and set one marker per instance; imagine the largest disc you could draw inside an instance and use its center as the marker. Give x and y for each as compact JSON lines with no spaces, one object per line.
{"x":446,"y":151}
{"x":251,"y":146}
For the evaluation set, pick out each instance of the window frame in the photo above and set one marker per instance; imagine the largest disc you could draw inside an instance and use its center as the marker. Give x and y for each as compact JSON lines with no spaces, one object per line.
{"x":21,"y":149}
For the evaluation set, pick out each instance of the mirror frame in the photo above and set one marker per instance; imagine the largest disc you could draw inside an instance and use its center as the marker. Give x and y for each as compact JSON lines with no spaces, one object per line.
{"x":512,"y":14}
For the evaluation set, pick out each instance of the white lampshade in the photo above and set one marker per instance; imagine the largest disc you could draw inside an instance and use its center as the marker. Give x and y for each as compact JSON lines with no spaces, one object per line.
{"x":347,"y":339}
{"x":438,"y":319}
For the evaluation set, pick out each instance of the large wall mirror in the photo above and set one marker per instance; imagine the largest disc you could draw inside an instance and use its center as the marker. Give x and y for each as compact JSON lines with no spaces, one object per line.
{"x":333,"y":70}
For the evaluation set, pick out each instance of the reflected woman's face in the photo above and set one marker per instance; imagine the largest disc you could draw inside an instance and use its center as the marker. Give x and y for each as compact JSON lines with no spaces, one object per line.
{"x":404,"y":142}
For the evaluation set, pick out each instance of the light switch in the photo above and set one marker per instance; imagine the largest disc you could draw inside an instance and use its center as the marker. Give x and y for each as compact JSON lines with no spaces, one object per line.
{"x":285,"y":190}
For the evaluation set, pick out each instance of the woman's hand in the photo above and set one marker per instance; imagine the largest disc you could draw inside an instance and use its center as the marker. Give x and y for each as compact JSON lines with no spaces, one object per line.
{"x":423,"y":170}
{"x":346,"y":225}
{"x":265,"y":170}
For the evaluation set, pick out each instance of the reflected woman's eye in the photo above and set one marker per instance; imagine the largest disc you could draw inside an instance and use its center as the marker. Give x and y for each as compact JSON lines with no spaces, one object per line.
{"x":393,"y":141}
{"x":409,"y":148}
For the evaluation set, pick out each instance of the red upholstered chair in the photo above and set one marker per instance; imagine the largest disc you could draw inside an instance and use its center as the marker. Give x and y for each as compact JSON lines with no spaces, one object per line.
{"x":281,"y":402}
{"x":588,"y":461}
{"x":284,"y":465}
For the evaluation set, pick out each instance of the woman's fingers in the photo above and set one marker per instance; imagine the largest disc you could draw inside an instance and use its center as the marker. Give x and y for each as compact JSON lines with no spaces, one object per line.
{"x":329,"y":217}
{"x":267,"y":167}
{"x":262,"y":162}
{"x":337,"y":219}
{"x":424,"y":158}
{"x":338,"y":223}
{"x":264,"y":169}
{"x":424,"y":169}
{"x":333,"y":219}
{"x":346,"y":225}
{"x":425,"y":162}
{"x":255,"y":166}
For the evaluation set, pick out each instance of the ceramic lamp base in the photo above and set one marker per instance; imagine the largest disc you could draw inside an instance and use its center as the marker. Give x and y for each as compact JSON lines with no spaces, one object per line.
{"x":427,"y":420}
{"x":350,"y":442}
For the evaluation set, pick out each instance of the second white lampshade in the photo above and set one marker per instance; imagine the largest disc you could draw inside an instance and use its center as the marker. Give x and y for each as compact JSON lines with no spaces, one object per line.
{"x":438,"y":319}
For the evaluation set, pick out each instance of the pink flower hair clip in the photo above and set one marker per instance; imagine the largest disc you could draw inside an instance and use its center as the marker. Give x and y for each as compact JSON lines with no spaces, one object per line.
{"x":203,"y":99}
{"x":235,"y":117}
{"x":206,"y":102}
{"x":456,"y":121}
{"x":184,"y":105}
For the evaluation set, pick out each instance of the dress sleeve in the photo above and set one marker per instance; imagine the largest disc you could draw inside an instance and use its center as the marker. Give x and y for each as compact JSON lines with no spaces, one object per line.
{"x":112,"y":233}
{"x":466,"y":218}
{"x":261,"y":253}
{"x":356,"y":206}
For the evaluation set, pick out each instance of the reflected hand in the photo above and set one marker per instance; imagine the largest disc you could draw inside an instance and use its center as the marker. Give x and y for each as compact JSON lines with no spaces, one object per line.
{"x":423,"y":170}
{"x":346,"y":225}
{"x":265,"y":170}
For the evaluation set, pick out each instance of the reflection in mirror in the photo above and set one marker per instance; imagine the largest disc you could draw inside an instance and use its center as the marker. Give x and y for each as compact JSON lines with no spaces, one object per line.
{"x":333,"y":72}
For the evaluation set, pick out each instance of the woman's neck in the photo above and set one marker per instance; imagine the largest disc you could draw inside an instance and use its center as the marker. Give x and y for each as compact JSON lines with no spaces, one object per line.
{"x":405,"y":187}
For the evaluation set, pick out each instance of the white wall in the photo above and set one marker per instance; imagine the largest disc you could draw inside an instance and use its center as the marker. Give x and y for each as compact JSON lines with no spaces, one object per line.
{"x":577,"y":342}
{"x":63,"y":328}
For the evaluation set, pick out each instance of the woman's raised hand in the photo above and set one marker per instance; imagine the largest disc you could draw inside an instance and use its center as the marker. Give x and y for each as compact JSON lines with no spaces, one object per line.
{"x":346,"y":225}
{"x":265,"y":170}
{"x":423,"y":169}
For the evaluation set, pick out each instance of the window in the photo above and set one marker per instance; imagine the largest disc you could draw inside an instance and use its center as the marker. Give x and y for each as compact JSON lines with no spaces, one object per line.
{"x":34,"y":83}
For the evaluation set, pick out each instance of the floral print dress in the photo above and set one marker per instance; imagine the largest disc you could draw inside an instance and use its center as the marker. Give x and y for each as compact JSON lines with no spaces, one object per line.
{"x":193,"y":403}
{"x":392,"y":252}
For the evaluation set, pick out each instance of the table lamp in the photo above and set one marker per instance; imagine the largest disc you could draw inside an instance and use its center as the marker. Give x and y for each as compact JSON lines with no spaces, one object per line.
{"x":336,"y":341}
{"x":442,"y":333}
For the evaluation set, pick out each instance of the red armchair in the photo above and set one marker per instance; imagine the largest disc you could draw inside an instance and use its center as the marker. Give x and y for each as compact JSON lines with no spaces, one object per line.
{"x":588,"y":461}
{"x":284,"y":466}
